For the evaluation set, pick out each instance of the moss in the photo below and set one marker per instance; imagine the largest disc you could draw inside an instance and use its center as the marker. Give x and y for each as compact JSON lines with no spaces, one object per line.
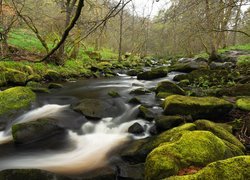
{"x":3,"y":80}
{"x":54,"y":86}
{"x":232,"y":168}
{"x":169,"y":87}
{"x":243,"y":103}
{"x":219,"y":131}
{"x":153,"y":74}
{"x":146,"y":113}
{"x":113,"y":94}
{"x":163,"y":95}
{"x":15,"y":77}
{"x":140,"y":91}
{"x":52,"y":75}
{"x":237,"y":90}
{"x":15,"y":98}
{"x":35,"y":77}
{"x":134,"y":100}
{"x":197,"y":148}
{"x":205,"y":107}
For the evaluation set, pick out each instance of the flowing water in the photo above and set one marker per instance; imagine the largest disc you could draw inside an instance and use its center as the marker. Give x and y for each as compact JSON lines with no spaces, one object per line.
{"x":86,"y":145}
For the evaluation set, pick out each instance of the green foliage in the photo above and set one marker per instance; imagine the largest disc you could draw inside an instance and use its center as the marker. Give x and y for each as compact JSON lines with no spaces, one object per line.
{"x":243,"y":60}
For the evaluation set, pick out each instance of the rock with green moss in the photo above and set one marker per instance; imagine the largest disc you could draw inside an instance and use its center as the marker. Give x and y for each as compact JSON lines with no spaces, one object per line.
{"x":37,"y":87}
{"x":15,"y":99}
{"x":113,"y":94}
{"x":24,"y":133}
{"x":140,"y":91}
{"x":52,"y":75}
{"x":169,"y":87}
{"x":197,"y":148}
{"x":35,"y":77}
{"x":237,"y":90}
{"x":230,"y":169}
{"x":188,"y":66}
{"x":146,"y":113}
{"x":153,"y":74}
{"x":135,"y":100}
{"x":197,"y":107}
{"x":219,"y":131}
{"x":137,"y":151}
{"x":54,"y":86}
{"x":163,"y":95}
{"x":243,"y":103}
{"x":164,"y":123}
{"x":15,"y":77}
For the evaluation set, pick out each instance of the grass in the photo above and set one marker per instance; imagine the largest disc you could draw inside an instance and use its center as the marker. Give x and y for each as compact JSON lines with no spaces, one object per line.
{"x":243,"y":60}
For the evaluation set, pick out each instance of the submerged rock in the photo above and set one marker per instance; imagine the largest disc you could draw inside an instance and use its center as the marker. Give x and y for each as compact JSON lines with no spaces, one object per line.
{"x":113,"y":94}
{"x":187,"y":148}
{"x":244,"y":103}
{"x":15,"y":98}
{"x":197,"y":107}
{"x":232,"y":168}
{"x":24,"y":133}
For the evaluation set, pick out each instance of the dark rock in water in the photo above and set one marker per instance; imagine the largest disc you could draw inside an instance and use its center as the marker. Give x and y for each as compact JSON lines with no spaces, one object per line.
{"x":153,"y":130}
{"x":134,"y":100}
{"x":205,"y":107}
{"x":24,"y":133}
{"x":54,"y":86}
{"x":140,"y":91}
{"x":237,"y":90}
{"x":136,"y":128}
{"x":164,"y":123}
{"x":113,"y":94}
{"x":146,"y":113}
{"x":134,"y":72}
{"x":153,"y":74}
{"x":132,"y":172}
{"x":97,"y":108}
{"x":169,"y":87}
{"x":180,"y":77}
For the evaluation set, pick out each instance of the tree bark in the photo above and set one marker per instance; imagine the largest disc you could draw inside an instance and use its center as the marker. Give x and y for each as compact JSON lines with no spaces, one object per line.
{"x":121,"y":33}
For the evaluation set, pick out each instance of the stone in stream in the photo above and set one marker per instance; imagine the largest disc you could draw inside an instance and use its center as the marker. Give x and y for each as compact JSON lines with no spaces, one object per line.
{"x":186,"y":149}
{"x":197,"y":107}
{"x":146,"y":113}
{"x":97,"y":108}
{"x":16,"y":98}
{"x":169,"y":87}
{"x":24,"y":133}
{"x":237,"y":90}
{"x":134,"y":100}
{"x":164,"y":123}
{"x":136,"y":128}
{"x":113,"y":94}
{"x":232,"y":168}
{"x":37,"y":87}
{"x":153,"y":74}
{"x":140,"y":91}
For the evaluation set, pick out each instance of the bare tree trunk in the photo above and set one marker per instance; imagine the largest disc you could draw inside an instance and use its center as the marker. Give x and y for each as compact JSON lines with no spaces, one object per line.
{"x":3,"y":40}
{"x":121,"y":32}
{"x":237,"y":20}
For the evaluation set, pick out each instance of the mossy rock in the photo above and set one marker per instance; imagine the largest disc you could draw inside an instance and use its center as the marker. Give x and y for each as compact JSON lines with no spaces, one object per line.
{"x":28,"y":69}
{"x":219,"y":131}
{"x":146,"y":113}
{"x":134,"y":72}
{"x":163,"y":95}
{"x":196,"y":148}
{"x":15,"y":77}
{"x":237,"y":90}
{"x":197,"y":107}
{"x":138,"y":150}
{"x":54,"y":86}
{"x":15,"y":98}
{"x":229,"y":169}
{"x":169,"y":87}
{"x":140,"y":91}
{"x":52,"y":75}
{"x":3,"y":80}
{"x":164,"y":123}
{"x":135,"y":100}
{"x":113,"y":94}
{"x":24,"y":133}
{"x":188,"y":66}
{"x":153,"y":74}
{"x":243,"y":103}
{"x":35,"y":77}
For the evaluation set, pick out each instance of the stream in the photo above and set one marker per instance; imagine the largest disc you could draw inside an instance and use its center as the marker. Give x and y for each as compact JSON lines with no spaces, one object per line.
{"x":86,"y":145}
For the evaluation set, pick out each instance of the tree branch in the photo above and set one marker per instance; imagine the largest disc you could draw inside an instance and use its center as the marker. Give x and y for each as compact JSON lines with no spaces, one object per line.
{"x":231,"y":30}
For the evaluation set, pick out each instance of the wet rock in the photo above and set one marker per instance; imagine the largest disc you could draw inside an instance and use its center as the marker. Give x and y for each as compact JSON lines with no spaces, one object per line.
{"x":153,"y":74}
{"x":134,"y":72}
{"x":169,"y":87}
{"x":97,"y":108}
{"x":140,"y":91}
{"x":197,"y":107}
{"x":186,"y":149}
{"x":24,"y":133}
{"x":243,"y":103}
{"x":134,"y":100}
{"x":180,"y":77}
{"x":15,"y":98}
{"x":136,"y":128}
{"x":164,"y":123}
{"x":232,"y":168}
{"x":52,"y":75}
{"x":37,"y":87}
{"x":133,"y":172}
{"x":54,"y":86}
{"x":146,"y":113}
{"x":237,"y":90}
{"x":113,"y":94}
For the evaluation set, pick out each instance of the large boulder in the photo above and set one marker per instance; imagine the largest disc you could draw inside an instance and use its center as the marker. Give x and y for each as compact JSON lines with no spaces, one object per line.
{"x":153,"y":74}
{"x":232,"y":168}
{"x":15,"y":77}
{"x":243,"y":103}
{"x":24,"y":133}
{"x":169,"y":87}
{"x":97,"y":109}
{"x":197,"y":107}
{"x":197,"y":148}
{"x":136,"y":128}
{"x":15,"y":98}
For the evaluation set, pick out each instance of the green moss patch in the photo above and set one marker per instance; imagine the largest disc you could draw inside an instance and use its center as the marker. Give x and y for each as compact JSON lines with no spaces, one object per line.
{"x":243,"y":103}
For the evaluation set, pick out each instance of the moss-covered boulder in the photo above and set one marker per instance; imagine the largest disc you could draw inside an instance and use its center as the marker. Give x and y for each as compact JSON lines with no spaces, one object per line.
{"x":237,"y":90}
{"x":35,"y":77}
{"x":153,"y":74}
{"x":219,"y":131}
{"x":230,"y":169}
{"x":15,"y":77}
{"x":134,"y":100}
{"x":243,"y":103}
{"x":189,"y":66}
{"x":164,"y":123}
{"x":37,"y":87}
{"x":197,"y":107}
{"x":138,"y":150}
{"x":15,"y":98}
{"x":197,"y":148}
{"x":146,"y":113}
{"x":169,"y":87}
{"x":24,"y":133}
{"x":52,"y":75}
